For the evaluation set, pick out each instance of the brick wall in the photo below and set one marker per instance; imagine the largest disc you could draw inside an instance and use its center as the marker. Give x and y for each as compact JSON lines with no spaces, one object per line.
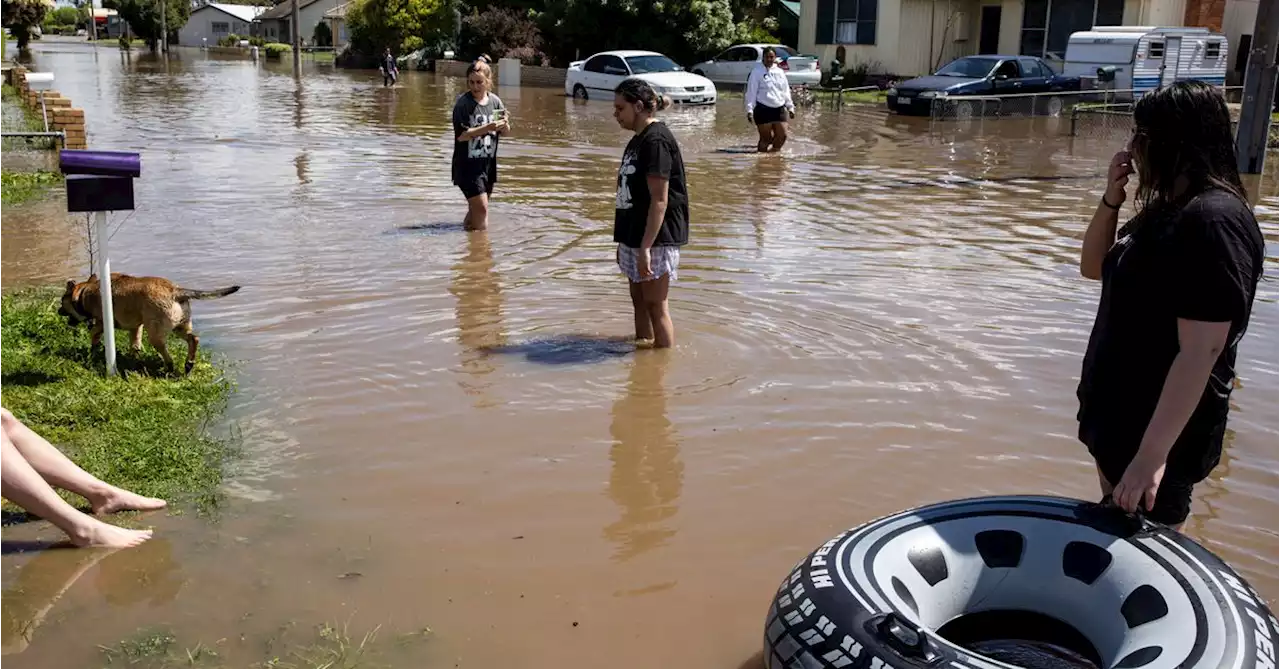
{"x":551,"y":77}
{"x":62,"y":116}
{"x":1205,"y":14}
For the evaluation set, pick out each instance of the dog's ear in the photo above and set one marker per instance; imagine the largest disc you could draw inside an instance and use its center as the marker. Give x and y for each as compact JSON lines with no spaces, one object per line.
{"x":93,"y":277}
{"x":71,"y":285}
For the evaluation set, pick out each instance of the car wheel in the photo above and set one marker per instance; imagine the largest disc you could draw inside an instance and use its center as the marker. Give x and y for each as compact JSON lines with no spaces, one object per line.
{"x":1054,"y":106}
{"x":579,"y":92}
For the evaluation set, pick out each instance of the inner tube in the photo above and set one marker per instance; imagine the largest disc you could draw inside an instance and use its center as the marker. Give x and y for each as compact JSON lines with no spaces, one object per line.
{"x":950,"y":585}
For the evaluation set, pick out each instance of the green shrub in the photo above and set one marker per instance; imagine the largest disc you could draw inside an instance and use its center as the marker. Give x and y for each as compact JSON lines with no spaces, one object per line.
{"x":276,"y":49}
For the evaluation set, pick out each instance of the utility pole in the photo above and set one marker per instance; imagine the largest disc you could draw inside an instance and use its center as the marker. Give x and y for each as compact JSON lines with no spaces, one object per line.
{"x":297,"y":46}
{"x":164,"y":29}
{"x":1259,"y":91}
{"x":93,"y":19}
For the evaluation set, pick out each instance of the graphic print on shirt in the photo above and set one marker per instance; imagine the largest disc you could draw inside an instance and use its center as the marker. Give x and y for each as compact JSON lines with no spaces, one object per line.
{"x":483,"y":146}
{"x":623,"y":199}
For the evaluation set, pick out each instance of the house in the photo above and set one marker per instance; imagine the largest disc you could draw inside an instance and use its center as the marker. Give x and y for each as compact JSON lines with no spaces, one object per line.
{"x":337,"y":18}
{"x":913,"y":37}
{"x":213,"y":21}
{"x":275,"y":21}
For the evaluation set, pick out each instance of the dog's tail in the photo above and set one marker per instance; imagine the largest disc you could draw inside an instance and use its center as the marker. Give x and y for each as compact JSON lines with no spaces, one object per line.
{"x":185,"y":294}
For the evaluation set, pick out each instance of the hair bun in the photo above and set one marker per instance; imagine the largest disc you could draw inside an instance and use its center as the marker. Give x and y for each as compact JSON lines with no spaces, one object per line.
{"x":664,"y":102}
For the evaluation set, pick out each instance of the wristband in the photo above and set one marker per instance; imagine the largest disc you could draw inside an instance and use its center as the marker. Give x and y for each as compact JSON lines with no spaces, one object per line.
{"x":1108,"y":205}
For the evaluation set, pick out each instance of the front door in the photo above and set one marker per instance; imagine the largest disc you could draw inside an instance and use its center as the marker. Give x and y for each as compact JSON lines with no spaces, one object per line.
{"x":1169,"y":70}
{"x":989,"y":32}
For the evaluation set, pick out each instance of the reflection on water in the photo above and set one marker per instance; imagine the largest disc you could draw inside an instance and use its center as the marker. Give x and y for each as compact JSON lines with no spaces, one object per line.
{"x":478,"y":290}
{"x":646,"y":473}
{"x":887,"y":300}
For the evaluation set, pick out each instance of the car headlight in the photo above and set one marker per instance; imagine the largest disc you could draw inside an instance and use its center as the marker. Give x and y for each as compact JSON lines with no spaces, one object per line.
{"x":891,"y":92}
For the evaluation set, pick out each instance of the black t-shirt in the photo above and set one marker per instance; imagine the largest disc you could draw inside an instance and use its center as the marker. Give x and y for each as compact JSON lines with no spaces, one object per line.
{"x":653,"y":151}
{"x":1200,"y":262}
{"x":479,"y":155}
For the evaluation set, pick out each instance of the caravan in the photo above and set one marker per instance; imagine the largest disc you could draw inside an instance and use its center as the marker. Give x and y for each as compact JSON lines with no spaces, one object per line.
{"x":1145,"y":58}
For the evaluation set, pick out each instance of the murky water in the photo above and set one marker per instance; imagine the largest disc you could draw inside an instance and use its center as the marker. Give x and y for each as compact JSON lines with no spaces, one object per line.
{"x":444,"y":430}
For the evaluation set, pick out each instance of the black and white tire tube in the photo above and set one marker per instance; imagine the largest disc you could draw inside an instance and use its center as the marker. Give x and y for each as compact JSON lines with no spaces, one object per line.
{"x":920,"y":588}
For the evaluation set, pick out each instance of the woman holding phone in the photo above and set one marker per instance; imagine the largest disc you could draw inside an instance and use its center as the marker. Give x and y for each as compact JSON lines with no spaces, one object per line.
{"x":479,"y":119}
{"x":1178,"y":283}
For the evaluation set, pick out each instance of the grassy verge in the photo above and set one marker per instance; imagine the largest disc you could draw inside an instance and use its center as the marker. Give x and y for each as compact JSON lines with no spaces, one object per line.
{"x":319,"y":56}
{"x":19,"y":187}
{"x":145,"y":431}
{"x":866,"y":97}
{"x":325,"y":647}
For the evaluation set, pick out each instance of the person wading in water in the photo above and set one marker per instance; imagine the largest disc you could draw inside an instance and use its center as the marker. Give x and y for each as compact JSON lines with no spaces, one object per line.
{"x":1178,"y":284}
{"x":769,"y":103}
{"x":479,"y":119}
{"x":651,"y":209}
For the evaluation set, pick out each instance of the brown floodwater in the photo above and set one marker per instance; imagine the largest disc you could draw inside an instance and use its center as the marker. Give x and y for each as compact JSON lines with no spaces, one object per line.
{"x":449,"y":431}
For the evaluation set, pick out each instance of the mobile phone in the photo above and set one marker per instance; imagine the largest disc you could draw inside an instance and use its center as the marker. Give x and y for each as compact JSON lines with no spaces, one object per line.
{"x":499,"y":114}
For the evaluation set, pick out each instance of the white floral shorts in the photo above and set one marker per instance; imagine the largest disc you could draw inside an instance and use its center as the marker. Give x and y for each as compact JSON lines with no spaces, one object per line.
{"x":662,"y":260}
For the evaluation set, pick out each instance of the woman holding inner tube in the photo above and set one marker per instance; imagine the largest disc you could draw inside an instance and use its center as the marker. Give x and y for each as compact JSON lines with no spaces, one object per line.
{"x":1178,"y":283}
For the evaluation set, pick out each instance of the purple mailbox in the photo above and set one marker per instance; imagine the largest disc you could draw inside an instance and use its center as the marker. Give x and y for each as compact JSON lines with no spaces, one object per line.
{"x":101,"y":181}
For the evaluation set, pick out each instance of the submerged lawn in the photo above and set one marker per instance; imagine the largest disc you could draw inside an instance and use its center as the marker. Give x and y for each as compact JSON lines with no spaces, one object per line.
{"x":146,"y":431}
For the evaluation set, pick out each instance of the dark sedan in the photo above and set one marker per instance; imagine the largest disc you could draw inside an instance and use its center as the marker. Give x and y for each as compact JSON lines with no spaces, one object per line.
{"x":994,"y":76}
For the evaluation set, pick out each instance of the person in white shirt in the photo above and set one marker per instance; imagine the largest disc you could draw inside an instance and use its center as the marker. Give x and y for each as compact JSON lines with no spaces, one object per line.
{"x":769,"y":103}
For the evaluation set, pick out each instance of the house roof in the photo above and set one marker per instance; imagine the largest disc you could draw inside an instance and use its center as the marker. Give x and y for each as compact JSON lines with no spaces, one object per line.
{"x":283,"y":10}
{"x":339,"y":12}
{"x":243,"y":12}
{"x":792,"y":6}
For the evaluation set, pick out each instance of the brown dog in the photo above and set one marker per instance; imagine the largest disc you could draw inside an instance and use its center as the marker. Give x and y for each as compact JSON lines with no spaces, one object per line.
{"x":157,"y":304}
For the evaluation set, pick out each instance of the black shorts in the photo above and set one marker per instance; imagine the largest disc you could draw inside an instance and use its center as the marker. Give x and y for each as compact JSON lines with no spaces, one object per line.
{"x":1190,"y":462}
{"x":764,"y":114}
{"x":480,"y":183}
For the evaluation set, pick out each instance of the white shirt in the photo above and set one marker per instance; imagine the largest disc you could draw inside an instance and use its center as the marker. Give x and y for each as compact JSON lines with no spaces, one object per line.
{"x":768,"y":87}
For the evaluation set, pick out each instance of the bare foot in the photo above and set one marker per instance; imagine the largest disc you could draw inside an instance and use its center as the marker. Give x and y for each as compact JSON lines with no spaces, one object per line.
{"x":118,"y":499}
{"x":96,"y":533}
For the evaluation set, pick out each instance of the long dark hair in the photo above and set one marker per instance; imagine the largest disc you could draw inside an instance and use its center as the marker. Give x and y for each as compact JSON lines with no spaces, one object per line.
{"x":639,"y":90}
{"x":1184,"y":130}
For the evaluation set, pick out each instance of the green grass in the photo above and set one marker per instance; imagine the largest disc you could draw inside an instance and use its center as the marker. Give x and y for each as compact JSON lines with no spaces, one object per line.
{"x":865,"y":97}
{"x":145,"y":430}
{"x":19,"y":187}
{"x":329,"y":647}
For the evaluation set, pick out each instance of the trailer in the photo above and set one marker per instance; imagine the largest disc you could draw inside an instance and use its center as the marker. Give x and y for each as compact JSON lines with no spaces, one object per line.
{"x":1144,"y":58}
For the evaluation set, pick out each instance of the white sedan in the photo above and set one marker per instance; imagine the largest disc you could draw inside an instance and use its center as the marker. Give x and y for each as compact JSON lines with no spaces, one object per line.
{"x":734,"y":65}
{"x":597,"y":77}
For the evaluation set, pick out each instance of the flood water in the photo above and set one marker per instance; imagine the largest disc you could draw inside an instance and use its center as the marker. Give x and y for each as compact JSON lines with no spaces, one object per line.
{"x":449,"y":431}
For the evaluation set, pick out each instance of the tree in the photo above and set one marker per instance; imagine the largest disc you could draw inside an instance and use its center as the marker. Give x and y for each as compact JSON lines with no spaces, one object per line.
{"x":402,"y":25}
{"x":323,"y":35}
{"x":20,"y":16}
{"x":144,"y":16}
{"x":502,"y":33}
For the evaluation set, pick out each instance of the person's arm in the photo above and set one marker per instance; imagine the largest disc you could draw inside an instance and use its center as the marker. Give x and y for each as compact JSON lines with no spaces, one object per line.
{"x":1208,"y":286}
{"x":466,"y":134}
{"x":659,"y":161}
{"x":1101,"y":234}
{"x":791,"y":104}
{"x":504,"y":127}
{"x":753,"y":89}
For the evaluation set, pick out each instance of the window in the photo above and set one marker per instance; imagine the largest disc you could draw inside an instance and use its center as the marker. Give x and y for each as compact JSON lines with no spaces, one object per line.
{"x":738,"y":54}
{"x":1213,"y":51}
{"x":1047,"y":24}
{"x":606,"y":64}
{"x":650,"y":64}
{"x":1032,"y":68}
{"x":220,"y":28}
{"x":846,"y":21}
{"x":783,"y":51}
{"x":1008,"y":69}
{"x":1155,"y":50}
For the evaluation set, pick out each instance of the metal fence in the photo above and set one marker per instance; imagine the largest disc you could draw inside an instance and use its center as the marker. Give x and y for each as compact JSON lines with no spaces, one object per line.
{"x":1099,"y":111}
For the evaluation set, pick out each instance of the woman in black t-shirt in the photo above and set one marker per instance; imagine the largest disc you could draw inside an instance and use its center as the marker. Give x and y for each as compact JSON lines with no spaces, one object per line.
{"x":479,"y":118}
{"x":651,"y":209}
{"x":1177,"y":289}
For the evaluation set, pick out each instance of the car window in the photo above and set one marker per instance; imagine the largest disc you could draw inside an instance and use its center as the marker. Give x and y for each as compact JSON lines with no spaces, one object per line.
{"x":783,"y":51}
{"x":614,"y":65}
{"x":972,"y":68}
{"x":595,"y":63}
{"x":1008,"y":68}
{"x":1031,"y":67}
{"x":652,"y":63}
{"x":727,"y":55}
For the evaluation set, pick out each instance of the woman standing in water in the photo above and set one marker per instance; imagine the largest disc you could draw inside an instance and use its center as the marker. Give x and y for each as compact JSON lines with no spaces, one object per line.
{"x":769,"y":103}
{"x":1177,"y":290}
{"x":651,"y":211}
{"x":479,"y":119}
